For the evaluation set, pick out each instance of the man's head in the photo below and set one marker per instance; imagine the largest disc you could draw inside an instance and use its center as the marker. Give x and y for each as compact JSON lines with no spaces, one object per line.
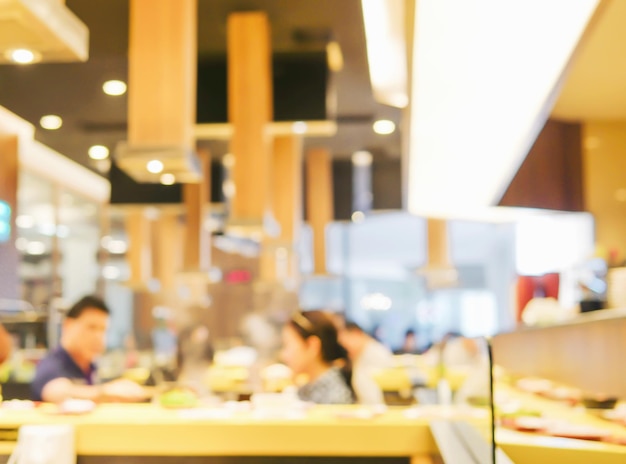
{"x":353,"y":339}
{"x":84,"y":328}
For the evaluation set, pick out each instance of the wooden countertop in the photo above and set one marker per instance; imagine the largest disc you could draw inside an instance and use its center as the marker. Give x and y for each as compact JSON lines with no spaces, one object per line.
{"x":149,"y":430}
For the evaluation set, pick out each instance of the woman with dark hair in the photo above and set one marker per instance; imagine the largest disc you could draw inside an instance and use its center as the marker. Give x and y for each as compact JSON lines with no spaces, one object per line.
{"x":310,"y":347}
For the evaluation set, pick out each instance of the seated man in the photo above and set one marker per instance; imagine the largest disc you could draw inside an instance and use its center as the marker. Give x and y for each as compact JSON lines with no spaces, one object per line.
{"x":367,"y":356}
{"x":69,"y":370}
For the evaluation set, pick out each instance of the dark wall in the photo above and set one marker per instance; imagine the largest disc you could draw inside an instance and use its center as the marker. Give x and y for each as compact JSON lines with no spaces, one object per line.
{"x":299,"y":83}
{"x":386,"y":186}
{"x":124,"y":190}
{"x":551,"y":175}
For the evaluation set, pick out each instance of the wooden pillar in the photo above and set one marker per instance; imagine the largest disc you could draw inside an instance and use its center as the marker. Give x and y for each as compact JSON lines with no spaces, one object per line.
{"x":438,"y":244}
{"x":287,"y":186}
{"x":250,"y":111}
{"x":197,"y":246}
{"x":319,"y":185}
{"x":168,"y":248}
{"x":279,"y":259}
{"x":139,"y":254}
{"x":162,"y":73}
{"x":9,"y":258}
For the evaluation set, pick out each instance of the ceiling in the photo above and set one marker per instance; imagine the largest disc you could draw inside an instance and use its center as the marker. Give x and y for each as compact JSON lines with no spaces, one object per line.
{"x":595,"y":88}
{"x":74,"y":90}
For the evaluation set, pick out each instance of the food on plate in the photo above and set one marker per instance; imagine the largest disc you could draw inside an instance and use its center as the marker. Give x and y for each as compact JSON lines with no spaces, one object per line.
{"x":580,"y":432}
{"x":529,"y":424}
{"x":599,"y":402}
{"x":179,"y":397}
{"x":534,"y":385}
{"x":562,"y":393}
{"x":478,"y":401}
{"x":76,"y":406}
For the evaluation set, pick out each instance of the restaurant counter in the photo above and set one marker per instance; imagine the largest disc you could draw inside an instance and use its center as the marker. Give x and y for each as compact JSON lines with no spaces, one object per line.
{"x":146,"y":433}
{"x":585,"y":352}
{"x":147,"y":430}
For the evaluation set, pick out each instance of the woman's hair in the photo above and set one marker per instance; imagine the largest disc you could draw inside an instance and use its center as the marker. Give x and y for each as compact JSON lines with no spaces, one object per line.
{"x":319,"y":324}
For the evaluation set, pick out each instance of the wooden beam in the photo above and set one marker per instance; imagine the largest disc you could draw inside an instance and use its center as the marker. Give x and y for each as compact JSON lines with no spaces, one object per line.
{"x":319,"y":185}
{"x":162,"y":73}
{"x":250,"y":110}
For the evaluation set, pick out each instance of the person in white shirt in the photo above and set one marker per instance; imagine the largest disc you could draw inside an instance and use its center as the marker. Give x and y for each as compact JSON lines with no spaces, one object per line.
{"x":367,"y":356}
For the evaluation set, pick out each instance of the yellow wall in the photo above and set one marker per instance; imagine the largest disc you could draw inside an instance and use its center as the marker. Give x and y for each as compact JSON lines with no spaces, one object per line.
{"x":604,"y":178}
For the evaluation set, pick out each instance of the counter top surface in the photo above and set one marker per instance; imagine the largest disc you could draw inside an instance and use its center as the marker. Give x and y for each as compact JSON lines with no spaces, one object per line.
{"x":150,"y":430}
{"x":582,"y":318}
{"x":145,"y":429}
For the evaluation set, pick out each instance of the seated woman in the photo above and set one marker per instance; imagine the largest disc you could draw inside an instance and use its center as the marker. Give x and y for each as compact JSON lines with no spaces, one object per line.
{"x":310,"y":347}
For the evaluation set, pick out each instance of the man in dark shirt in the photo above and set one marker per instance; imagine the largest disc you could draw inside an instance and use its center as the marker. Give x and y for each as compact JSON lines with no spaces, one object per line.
{"x":69,"y":370}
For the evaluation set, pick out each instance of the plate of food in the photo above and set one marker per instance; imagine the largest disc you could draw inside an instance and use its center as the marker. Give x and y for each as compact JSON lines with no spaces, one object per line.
{"x":615,"y":415}
{"x":580,"y":432}
{"x":524,"y":423}
{"x":76,"y":406}
{"x":534,"y":385}
{"x":178,"y":398}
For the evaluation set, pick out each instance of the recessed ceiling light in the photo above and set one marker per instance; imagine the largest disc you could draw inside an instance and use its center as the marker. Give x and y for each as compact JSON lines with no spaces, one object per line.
{"x":168,"y":179}
{"x":24,"y":221}
{"x":51,"y":122}
{"x":299,"y":127}
{"x":98,"y":152}
{"x":111,"y":272}
{"x":154,"y":166}
{"x":117,"y":247}
{"x":23,"y":56}
{"x":228,"y":188}
{"x":228,"y":160}
{"x":114,"y":87}
{"x":35,"y":248}
{"x":384,"y":127}
{"x":358,"y":216}
{"x":362,"y":158}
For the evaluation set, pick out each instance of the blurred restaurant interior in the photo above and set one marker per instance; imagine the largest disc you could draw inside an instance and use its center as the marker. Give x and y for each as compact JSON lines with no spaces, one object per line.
{"x":416,"y":166}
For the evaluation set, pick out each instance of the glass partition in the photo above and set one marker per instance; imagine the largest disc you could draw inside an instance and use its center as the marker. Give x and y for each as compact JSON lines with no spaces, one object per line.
{"x":36,"y":238}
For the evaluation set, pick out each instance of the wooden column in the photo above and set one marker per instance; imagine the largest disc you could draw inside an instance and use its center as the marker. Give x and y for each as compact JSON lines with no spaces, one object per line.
{"x":9,"y":258}
{"x":139,"y":254}
{"x":197,"y":246}
{"x":279,"y":258}
{"x":438,"y":245}
{"x":250,"y":110}
{"x":169,"y":246}
{"x":287,"y":186}
{"x":439,"y":271}
{"x":319,"y":201}
{"x":162,"y":73}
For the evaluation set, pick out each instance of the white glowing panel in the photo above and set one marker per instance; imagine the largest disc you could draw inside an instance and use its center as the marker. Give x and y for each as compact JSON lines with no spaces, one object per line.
{"x":553,"y":243}
{"x":386,"y":50}
{"x":485,"y":75}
